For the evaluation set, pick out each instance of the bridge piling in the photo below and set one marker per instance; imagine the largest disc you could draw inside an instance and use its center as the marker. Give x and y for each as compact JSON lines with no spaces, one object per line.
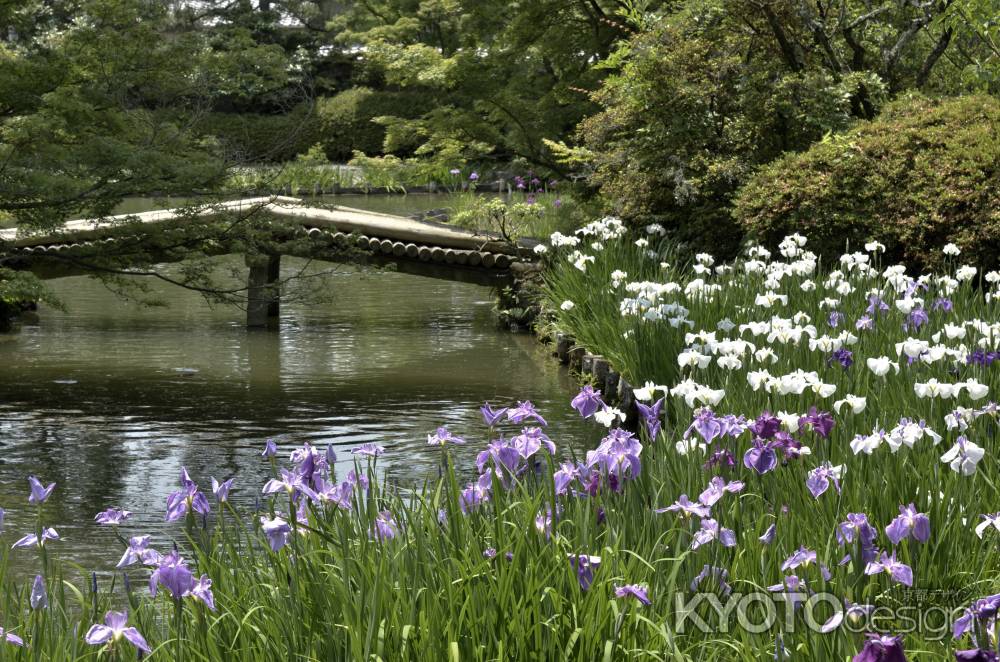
{"x":262,"y":294}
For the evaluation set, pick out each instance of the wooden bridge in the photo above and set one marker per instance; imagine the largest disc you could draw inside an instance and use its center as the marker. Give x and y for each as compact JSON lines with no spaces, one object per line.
{"x":418,"y":247}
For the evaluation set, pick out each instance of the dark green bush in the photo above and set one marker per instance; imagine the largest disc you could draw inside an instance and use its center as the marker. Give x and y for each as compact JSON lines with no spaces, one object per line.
{"x":346,"y":120}
{"x":922,"y":174}
{"x":254,"y":138}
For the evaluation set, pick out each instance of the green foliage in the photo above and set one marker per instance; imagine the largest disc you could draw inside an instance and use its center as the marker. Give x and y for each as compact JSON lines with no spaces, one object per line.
{"x":624,"y":320}
{"x":974,"y":24}
{"x":712,"y":90}
{"x":18,"y":287}
{"x":519,"y":217}
{"x":348,"y":122}
{"x":497,"y":79}
{"x":925,"y":173}
{"x":255,"y":138}
{"x":82,"y":125}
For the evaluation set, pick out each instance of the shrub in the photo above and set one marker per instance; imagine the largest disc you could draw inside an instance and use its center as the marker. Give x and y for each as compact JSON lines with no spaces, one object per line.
{"x":254,"y":138}
{"x":922,"y":174}
{"x":347,"y":120}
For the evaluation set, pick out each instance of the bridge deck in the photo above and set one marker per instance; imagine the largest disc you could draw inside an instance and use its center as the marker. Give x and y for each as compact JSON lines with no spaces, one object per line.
{"x":342,"y":219}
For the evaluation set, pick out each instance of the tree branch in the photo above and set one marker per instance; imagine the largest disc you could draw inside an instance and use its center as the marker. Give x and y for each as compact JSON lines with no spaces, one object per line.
{"x":784,"y":44}
{"x":939,"y":48}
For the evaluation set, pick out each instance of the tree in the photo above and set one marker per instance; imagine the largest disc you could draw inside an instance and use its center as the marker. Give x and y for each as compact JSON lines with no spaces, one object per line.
{"x":501,"y":77}
{"x":708,"y":92}
{"x":923,"y":174}
{"x":103,"y":99}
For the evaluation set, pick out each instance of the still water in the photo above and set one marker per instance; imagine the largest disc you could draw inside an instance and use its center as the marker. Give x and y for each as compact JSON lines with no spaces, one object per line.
{"x":110,"y":399}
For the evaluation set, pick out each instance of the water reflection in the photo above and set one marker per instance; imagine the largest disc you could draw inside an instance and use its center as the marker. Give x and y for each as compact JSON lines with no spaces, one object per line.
{"x":110,"y":399}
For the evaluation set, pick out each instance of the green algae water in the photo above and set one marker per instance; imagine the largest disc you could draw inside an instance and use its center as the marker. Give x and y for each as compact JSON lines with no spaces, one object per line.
{"x":109,"y":399}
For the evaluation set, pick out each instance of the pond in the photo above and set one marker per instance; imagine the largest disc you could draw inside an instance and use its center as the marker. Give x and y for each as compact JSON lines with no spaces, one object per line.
{"x":110,"y":399}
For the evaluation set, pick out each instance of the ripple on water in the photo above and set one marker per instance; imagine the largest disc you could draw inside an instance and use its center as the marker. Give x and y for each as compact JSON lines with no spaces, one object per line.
{"x":388,"y":359}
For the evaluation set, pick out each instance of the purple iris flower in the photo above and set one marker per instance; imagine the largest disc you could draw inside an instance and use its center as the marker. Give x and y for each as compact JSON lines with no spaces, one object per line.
{"x":174,"y":575}
{"x":11,"y":638}
{"x":138,"y":551}
{"x":761,"y":456}
{"x":709,"y":531}
{"x":820,"y":478}
{"x":916,"y":319}
{"x":857,"y":528}
{"x":291,"y":483}
{"x":564,"y":477}
{"x":876,"y":305}
{"x":544,"y":521}
{"x":277,"y":532}
{"x":474,"y":177}
{"x":385,"y":527}
{"x":733,"y":425}
{"x":652,"y":416}
{"x":32,"y":540}
{"x":909,"y":523}
{"x":473,"y":496}
{"x":309,"y":462}
{"x":112,"y":516}
{"x":188,"y":499}
{"x":337,"y":494}
{"x":942,"y":303}
{"x":801,"y":556}
{"x":720,"y":457}
{"x":270,"y":448}
{"x":39,"y":492}
{"x":899,"y":571}
{"x":523,"y":411}
{"x":355,"y":479}
{"x":720,"y":575}
{"x":717,"y":487}
{"x":39,"y":598}
{"x":686,"y":508}
{"x":502,"y":453}
{"x":617,"y":452}
{"x":794,"y":586}
{"x":881,"y":648}
{"x":844,"y":357}
{"x":588,"y":401}
{"x":982,"y":612}
{"x":221,"y":490}
{"x":835,"y":319}
{"x":790,"y":447}
{"x":766,"y":425}
{"x":706,"y":425}
{"x":981,"y":358}
{"x":492,"y":416}
{"x":530,"y":442}
{"x":768,"y":536}
{"x":202,"y":590}
{"x":114,"y":628}
{"x":490,"y":553}
{"x":369,"y":449}
{"x":584,"y":565}
{"x":821,"y":422}
{"x":442,"y":436}
{"x":634,"y":591}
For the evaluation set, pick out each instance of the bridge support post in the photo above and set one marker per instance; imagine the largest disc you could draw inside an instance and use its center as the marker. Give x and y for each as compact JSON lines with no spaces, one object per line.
{"x":262,"y":291}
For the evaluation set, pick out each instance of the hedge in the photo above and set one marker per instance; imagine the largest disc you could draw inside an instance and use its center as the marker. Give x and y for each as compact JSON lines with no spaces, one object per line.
{"x":255,"y":138}
{"x":346,"y":120}
{"x":924,"y":173}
